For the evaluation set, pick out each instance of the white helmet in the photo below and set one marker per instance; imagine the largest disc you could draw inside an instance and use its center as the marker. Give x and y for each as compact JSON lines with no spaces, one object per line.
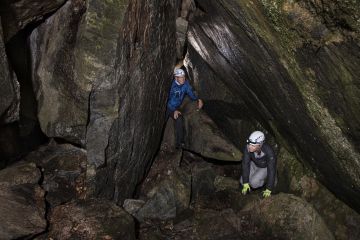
{"x":179,"y":72}
{"x":256,"y":137}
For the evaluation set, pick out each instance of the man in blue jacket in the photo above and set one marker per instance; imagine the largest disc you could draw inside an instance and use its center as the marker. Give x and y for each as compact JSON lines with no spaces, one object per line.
{"x":179,"y":88}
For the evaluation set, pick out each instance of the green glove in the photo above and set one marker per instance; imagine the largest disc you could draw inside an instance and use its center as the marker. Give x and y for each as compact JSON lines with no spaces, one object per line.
{"x":245,"y":189}
{"x":266,"y":193}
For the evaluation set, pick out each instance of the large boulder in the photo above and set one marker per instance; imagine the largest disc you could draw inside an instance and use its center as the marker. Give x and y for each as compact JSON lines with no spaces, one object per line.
{"x":169,"y":198}
{"x":287,"y":217}
{"x":63,"y":168}
{"x":73,"y":53}
{"x":9,"y":91}
{"x":17,"y":15}
{"x":227,"y":224}
{"x":202,"y":136}
{"x":298,"y":179}
{"x":61,"y":95}
{"x":91,"y":219}
{"x":298,"y":77}
{"x":22,"y":202}
{"x":165,"y":192}
{"x":203,"y":177}
{"x":341,"y":220}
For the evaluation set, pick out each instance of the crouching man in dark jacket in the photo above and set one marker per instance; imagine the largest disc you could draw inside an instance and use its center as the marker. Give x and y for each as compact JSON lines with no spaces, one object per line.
{"x":259,"y":165}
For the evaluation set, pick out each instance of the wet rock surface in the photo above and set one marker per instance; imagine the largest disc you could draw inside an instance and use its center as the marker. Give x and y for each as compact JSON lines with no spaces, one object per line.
{"x":136,"y":134}
{"x":262,"y":60}
{"x":229,"y":112}
{"x":22,"y":202}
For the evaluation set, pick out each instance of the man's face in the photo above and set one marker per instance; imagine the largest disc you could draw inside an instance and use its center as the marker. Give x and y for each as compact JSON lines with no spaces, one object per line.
{"x":180,"y":80}
{"x":254,"y":147}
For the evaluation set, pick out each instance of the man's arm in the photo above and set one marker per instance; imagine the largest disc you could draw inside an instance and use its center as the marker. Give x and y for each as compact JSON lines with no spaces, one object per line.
{"x":190,"y":92}
{"x":271,"y":169}
{"x":246,"y":166}
{"x":170,"y":98}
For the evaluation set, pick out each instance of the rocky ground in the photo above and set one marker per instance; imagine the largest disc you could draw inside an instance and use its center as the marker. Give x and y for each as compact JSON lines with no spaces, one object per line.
{"x":199,"y":199}
{"x":184,"y":196}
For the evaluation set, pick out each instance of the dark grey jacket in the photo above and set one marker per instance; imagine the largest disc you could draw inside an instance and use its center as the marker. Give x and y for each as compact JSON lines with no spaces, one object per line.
{"x":267,"y":161}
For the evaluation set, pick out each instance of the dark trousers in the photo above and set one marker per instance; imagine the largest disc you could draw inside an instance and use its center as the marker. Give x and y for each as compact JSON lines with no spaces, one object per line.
{"x":179,"y":127}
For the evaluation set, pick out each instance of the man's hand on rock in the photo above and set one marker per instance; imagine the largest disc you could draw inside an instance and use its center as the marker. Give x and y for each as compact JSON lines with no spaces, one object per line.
{"x":176,"y":114}
{"x":200,"y":104}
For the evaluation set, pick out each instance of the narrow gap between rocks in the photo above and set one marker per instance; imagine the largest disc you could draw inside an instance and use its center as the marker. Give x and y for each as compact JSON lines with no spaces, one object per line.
{"x":26,"y":133}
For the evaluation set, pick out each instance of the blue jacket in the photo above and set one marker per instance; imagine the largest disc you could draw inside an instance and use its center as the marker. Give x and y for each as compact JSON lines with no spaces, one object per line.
{"x":177,"y":94}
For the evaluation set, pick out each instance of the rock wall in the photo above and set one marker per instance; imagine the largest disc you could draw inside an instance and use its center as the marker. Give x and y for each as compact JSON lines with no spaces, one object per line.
{"x":19,"y":14}
{"x":73,"y":54}
{"x":145,"y":63}
{"x":101,"y":79}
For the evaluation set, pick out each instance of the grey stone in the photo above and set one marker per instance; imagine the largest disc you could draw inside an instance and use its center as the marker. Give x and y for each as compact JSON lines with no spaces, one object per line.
{"x":133,"y":205}
{"x":288,"y":217}
{"x":202,"y":136}
{"x":64,"y":169}
{"x":72,"y":74}
{"x":61,"y":93}
{"x":203,"y":177}
{"x":181,"y":30}
{"x":300,"y":180}
{"x":22,"y":202}
{"x":226,"y":183}
{"x":168,"y":198}
{"x":187,"y":9}
{"x":227,"y":224}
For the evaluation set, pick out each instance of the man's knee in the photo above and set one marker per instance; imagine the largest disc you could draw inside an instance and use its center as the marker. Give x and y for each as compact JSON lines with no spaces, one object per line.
{"x":256,"y":183}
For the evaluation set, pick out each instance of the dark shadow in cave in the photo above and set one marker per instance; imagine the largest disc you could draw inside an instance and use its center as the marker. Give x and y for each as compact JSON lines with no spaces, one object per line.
{"x":19,"y":138}
{"x":225,"y":115}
